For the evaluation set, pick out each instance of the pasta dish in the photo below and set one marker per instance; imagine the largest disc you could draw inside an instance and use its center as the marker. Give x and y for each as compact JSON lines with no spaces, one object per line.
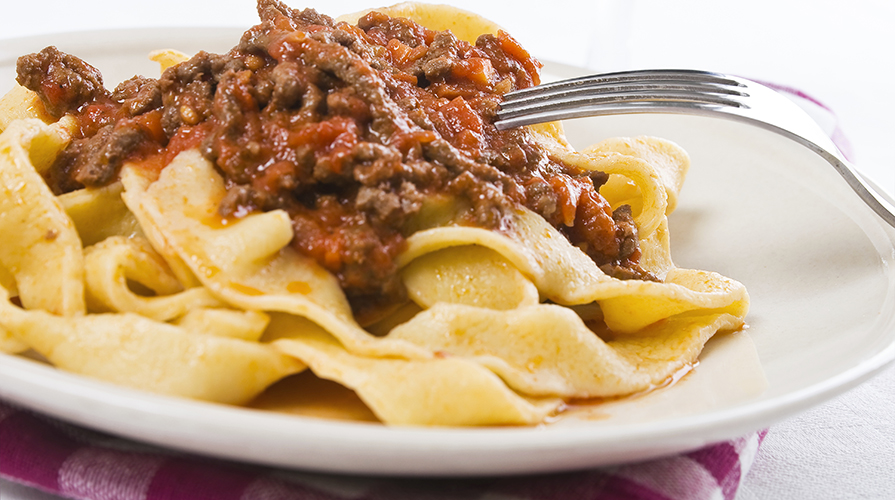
{"x":331,"y":196}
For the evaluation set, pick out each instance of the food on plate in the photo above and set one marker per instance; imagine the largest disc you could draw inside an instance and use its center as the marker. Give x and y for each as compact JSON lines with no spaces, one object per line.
{"x":332,"y":195}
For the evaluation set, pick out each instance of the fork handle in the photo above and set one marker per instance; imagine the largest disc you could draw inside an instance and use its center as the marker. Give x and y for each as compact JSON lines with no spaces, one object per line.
{"x":877,"y":198}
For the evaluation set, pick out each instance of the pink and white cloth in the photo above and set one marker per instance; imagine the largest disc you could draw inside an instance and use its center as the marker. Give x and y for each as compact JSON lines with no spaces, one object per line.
{"x":77,"y":463}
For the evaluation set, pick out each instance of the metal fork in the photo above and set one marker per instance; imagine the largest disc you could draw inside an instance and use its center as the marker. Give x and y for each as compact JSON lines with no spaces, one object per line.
{"x":686,"y":92}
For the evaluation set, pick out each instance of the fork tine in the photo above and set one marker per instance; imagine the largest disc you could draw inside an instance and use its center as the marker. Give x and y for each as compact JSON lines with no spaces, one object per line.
{"x":626,"y":77}
{"x":619,"y":92}
{"x":639,"y":93}
{"x":590,"y":88}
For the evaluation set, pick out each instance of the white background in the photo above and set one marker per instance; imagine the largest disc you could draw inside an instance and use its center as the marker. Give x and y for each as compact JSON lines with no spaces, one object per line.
{"x":838,"y":52}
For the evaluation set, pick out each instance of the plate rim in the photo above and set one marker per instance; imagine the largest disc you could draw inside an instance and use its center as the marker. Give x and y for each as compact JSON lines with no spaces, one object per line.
{"x":691,"y":431}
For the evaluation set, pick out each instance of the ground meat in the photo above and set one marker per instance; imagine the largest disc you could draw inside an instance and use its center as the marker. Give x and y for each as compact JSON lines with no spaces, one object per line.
{"x":383,"y":28}
{"x":63,"y":82}
{"x":500,"y":50}
{"x":271,"y":10}
{"x":440,"y":59}
{"x":350,"y":129}
{"x":626,"y":231}
{"x":98,"y":158}
{"x":138,"y":95}
{"x":188,"y":89}
{"x":541,"y":198}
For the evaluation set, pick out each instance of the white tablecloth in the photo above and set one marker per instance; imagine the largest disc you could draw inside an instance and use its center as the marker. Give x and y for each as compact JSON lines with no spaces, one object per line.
{"x":839,"y":54}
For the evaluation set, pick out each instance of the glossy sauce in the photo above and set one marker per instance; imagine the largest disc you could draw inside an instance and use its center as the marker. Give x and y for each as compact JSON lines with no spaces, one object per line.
{"x":349,"y":129}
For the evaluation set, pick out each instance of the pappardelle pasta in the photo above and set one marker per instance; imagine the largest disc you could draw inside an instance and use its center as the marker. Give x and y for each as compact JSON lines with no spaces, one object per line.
{"x":332,"y":195}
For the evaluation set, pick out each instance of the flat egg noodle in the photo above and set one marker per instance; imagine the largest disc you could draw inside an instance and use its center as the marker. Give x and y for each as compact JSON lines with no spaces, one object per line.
{"x":247,"y":262}
{"x":668,"y":165}
{"x":43,"y":259}
{"x":651,"y":202}
{"x":9,"y":344}
{"x":167,"y":58}
{"x":668,"y":160}
{"x":547,"y":350}
{"x":565,"y":275}
{"x":99,"y":213}
{"x":7,"y":280}
{"x":446,"y":391}
{"x":20,"y":103}
{"x":466,"y":26}
{"x":112,"y":263}
{"x":42,"y":249}
{"x":469,"y":275}
{"x":133,"y":351}
{"x":136,"y":181}
{"x":223,"y":322}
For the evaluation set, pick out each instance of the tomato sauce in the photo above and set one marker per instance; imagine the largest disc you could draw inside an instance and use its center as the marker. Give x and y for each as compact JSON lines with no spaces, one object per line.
{"x":349,"y":129}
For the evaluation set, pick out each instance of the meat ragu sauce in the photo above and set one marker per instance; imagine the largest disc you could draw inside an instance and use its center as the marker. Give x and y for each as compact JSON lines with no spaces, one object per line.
{"x":347,"y":128}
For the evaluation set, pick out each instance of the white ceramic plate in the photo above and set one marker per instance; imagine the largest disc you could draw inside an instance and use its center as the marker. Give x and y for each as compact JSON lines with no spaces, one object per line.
{"x":756,"y":207}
